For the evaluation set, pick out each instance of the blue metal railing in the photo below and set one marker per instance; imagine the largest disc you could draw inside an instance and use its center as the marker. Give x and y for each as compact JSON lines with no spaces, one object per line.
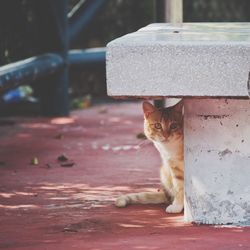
{"x":33,"y":68}
{"x":93,"y":56}
{"x":54,"y":94}
{"x":79,"y":20}
{"x":28,"y":70}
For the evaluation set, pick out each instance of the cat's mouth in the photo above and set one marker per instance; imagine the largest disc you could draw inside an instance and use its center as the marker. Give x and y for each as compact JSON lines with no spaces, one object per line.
{"x":164,"y":140}
{"x":160,"y":139}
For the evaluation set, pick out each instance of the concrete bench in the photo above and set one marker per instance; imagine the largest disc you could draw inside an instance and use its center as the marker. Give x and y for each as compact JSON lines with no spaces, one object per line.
{"x":208,"y":64}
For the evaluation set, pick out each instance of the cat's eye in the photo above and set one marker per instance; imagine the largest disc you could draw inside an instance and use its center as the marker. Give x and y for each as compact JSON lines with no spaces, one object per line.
{"x":157,"y":125}
{"x":174,"y":125}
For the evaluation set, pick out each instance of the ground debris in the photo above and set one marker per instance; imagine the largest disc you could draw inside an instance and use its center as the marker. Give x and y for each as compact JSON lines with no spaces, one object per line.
{"x":62,"y":158}
{"x":69,"y":230}
{"x":81,"y":102}
{"x":141,"y":136}
{"x":34,"y":161}
{"x":67,"y":164}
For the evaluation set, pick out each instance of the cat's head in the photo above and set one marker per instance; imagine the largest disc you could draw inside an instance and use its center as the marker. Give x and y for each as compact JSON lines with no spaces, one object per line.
{"x":163,"y":125}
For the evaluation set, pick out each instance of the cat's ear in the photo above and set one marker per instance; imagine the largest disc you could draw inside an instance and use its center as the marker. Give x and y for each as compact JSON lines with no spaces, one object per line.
{"x":148,"y":108}
{"x":178,"y":107}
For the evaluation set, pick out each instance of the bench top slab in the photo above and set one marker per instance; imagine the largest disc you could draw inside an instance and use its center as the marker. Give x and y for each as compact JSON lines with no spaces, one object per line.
{"x":189,"y":59}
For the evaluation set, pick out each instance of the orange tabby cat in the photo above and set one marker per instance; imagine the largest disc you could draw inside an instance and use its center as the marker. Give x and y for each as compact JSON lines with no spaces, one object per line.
{"x":165,"y":129}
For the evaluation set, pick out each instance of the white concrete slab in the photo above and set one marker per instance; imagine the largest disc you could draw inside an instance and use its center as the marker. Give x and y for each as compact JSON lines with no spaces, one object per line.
{"x":191,"y":59}
{"x":217,"y":161}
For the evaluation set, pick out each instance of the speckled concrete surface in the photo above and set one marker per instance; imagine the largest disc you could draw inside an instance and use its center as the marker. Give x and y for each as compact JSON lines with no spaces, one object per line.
{"x":52,"y":207}
{"x":192,"y":59}
{"x":217,"y":160}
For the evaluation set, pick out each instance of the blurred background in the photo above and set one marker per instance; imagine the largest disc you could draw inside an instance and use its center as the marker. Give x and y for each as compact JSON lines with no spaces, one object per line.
{"x":26,"y":27}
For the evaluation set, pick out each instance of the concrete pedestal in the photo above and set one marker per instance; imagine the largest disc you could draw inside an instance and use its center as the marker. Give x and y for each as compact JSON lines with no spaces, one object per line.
{"x":193,"y":60}
{"x":217,"y":161}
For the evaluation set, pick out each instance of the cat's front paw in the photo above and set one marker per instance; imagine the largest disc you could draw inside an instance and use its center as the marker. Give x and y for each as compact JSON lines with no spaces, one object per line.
{"x":177,"y":208}
{"x":121,"y":201}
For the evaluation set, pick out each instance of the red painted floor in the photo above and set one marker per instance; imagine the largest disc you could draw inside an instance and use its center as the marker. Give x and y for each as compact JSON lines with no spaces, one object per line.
{"x":53,"y":207}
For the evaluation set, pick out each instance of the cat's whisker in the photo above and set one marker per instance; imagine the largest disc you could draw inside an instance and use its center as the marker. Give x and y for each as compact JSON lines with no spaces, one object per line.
{"x":142,"y":149}
{"x":145,"y":142}
{"x":141,"y":146}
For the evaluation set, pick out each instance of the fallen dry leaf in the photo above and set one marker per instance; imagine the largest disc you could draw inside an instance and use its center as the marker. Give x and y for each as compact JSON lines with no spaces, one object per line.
{"x":141,"y":136}
{"x":62,"y":158}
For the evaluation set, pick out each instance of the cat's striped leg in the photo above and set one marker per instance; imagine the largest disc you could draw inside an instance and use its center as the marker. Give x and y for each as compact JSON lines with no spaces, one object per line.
{"x":178,"y":202}
{"x":142,"y":198}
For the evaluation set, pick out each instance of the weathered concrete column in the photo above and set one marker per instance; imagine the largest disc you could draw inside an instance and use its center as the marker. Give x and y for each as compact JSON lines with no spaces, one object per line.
{"x":217,"y":161}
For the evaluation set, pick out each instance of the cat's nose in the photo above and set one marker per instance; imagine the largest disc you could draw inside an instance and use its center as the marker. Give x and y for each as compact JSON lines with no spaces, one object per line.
{"x":166,"y":135}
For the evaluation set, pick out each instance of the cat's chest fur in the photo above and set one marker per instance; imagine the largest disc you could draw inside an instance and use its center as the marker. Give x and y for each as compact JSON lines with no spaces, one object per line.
{"x":172,"y":158}
{"x":171,"y":152}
